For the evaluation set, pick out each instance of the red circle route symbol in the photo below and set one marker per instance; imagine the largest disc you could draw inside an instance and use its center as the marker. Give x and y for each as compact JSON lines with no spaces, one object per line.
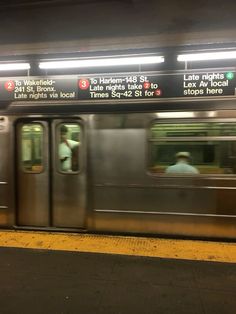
{"x":84,"y":84}
{"x":146,"y":85}
{"x":9,"y":86}
{"x":158,"y":92}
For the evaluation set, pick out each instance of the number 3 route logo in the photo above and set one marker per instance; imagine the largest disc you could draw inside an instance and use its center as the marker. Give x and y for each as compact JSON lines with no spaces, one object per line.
{"x":84,"y":84}
{"x":9,"y":86}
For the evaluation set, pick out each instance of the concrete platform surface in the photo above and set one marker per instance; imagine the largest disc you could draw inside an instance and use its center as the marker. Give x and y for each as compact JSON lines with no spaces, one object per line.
{"x":48,"y":282}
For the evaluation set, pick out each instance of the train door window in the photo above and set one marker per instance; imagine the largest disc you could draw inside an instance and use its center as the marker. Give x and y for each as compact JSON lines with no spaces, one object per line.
{"x":208,"y":147}
{"x":68,"y":135}
{"x":31,"y":147}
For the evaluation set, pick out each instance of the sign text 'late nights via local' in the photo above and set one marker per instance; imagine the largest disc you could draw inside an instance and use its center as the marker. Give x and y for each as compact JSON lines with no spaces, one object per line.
{"x":112,"y":87}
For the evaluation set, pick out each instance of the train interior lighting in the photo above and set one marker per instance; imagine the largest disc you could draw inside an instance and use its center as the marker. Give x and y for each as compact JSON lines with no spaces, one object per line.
{"x":175,"y":115}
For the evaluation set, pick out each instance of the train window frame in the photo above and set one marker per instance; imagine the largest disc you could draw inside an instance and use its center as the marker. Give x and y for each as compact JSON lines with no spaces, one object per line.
{"x":57,"y":142}
{"x":22,"y":124}
{"x":183,"y":121}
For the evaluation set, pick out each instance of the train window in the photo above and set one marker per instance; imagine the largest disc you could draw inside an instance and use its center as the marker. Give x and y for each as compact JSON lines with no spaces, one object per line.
{"x":31,"y":147}
{"x":209,"y":148}
{"x":68,"y":147}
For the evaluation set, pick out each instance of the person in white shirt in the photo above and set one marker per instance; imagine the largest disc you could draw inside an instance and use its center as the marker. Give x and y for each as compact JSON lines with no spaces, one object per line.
{"x":65,"y":150}
{"x":182,"y":165}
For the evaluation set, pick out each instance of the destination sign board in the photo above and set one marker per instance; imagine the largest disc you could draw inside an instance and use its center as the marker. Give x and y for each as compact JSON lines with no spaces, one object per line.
{"x":113,"y":87}
{"x":38,"y":88}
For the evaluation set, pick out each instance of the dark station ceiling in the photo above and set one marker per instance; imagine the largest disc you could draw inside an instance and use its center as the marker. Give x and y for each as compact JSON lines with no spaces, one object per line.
{"x":6,"y":4}
{"x":92,"y":25}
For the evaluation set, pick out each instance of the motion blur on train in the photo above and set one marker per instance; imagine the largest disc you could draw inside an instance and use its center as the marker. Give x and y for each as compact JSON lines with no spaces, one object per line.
{"x":160,"y":166}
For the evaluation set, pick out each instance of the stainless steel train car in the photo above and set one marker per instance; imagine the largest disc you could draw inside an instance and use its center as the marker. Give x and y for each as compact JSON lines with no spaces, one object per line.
{"x":115,"y":179}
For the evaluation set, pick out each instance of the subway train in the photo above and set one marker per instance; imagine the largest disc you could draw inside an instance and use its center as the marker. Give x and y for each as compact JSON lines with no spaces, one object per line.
{"x":100,"y":165}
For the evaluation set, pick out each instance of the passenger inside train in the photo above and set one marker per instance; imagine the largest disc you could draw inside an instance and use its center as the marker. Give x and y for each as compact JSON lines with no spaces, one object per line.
{"x":68,"y":151}
{"x":182,"y":165}
{"x":211,"y":147}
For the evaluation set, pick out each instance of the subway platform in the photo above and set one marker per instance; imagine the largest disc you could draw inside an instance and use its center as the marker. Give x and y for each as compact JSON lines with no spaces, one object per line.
{"x":79,"y":273}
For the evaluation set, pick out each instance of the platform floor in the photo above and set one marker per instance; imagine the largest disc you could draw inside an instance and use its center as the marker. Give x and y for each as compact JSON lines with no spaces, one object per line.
{"x":42,"y":281}
{"x":44,"y":273}
{"x":123,"y":245}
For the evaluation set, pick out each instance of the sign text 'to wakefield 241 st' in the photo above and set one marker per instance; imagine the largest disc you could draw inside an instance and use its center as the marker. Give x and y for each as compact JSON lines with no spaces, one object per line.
{"x":108,"y":87}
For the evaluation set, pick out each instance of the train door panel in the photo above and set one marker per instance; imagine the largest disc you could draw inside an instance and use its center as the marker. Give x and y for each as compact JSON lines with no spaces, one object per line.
{"x":50,"y":179}
{"x":33,"y":174}
{"x":68,"y":190}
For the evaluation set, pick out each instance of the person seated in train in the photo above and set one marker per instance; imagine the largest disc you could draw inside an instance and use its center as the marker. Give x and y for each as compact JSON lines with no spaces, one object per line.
{"x":182,"y":165}
{"x":66,"y":147}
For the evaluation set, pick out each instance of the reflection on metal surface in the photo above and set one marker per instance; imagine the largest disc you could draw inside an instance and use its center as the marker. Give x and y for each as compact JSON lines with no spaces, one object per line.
{"x":167,"y":186}
{"x":159,"y":213}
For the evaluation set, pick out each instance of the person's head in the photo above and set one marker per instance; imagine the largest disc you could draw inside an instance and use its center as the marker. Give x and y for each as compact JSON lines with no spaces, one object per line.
{"x":63,"y":132}
{"x":184,"y":156}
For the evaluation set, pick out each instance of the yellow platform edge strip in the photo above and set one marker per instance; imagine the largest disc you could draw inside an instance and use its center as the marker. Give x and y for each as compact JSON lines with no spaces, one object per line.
{"x":123,"y":245}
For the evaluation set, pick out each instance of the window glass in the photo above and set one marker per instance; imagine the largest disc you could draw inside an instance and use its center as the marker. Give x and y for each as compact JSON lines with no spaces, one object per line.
{"x":68,"y":147}
{"x":196,"y":148}
{"x":31,"y":147}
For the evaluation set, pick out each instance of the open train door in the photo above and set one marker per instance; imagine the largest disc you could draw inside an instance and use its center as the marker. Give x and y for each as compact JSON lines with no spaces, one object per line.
{"x":51,"y":176}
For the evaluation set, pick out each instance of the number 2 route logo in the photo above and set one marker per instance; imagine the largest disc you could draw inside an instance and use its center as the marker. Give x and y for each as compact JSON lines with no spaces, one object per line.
{"x":9,"y":86}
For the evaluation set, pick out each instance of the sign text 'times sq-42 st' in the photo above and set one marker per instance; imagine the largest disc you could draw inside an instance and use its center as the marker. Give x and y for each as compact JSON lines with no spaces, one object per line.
{"x":112,"y":87}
